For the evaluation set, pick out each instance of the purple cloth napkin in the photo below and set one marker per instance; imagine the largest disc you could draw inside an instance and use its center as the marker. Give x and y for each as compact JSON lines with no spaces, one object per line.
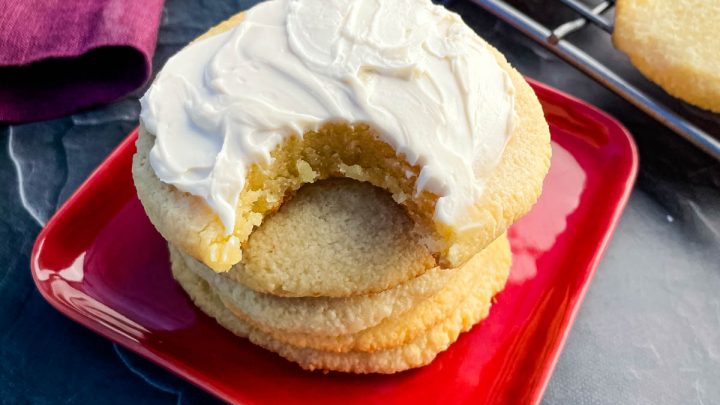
{"x":59,"y":56}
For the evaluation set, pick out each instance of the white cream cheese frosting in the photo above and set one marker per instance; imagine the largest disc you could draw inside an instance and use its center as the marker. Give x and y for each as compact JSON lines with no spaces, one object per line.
{"x":412,"y":70}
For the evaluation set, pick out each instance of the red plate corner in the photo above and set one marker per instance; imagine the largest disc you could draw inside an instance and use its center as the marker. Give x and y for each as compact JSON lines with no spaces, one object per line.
{"x":100,"y":262}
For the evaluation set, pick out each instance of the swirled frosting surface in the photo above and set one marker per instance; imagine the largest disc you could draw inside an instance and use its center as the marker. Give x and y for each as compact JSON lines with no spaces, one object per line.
{"x":412,"y":70}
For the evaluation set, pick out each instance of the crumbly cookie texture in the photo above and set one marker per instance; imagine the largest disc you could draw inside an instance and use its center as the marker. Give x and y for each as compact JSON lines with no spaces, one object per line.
{"x":481,"y":278}
{"x":417,"y":352}
{"x":351,"y":150}
{"x":320,"y":315}
{"x":675,"y":44}
{"x":351,"y":227}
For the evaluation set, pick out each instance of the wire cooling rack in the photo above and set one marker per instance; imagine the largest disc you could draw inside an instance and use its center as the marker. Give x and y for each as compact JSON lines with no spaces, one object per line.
{"x":609,"y":67}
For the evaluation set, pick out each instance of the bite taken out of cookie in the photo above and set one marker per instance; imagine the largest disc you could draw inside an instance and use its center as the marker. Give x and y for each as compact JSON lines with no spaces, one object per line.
{"x":401,"y":94}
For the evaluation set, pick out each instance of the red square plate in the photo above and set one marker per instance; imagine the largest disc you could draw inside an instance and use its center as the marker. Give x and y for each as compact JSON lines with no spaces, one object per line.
{"x":100,"y":262}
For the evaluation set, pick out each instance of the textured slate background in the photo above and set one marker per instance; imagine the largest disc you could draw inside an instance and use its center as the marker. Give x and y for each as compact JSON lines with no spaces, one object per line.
{"x":647,"y":333}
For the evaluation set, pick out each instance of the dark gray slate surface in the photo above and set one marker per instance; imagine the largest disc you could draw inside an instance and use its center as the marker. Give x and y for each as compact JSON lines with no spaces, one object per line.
{"x":647,"y":333}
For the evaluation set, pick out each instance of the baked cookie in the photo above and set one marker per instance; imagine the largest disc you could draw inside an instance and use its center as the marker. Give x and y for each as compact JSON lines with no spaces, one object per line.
{"x":421,"y":107}
{"x":417,"y":352}
{"x":319,"y":315}
{"x":482,"y":277}
{"x":334,"y":238}
{"x":675,"y":43}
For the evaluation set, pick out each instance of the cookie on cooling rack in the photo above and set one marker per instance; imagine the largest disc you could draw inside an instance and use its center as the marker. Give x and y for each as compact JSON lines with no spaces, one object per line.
{"x":675,"y":43}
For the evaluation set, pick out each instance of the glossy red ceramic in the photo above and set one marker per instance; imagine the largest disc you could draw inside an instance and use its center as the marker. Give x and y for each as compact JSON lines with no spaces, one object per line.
{"x":100,"y":262}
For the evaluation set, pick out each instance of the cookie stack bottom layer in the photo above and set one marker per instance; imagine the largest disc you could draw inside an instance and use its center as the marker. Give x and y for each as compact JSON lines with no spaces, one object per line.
{"x":384,"y":340}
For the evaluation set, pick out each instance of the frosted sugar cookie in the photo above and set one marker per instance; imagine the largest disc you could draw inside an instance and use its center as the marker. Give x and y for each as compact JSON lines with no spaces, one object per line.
{"x":399,"y":93}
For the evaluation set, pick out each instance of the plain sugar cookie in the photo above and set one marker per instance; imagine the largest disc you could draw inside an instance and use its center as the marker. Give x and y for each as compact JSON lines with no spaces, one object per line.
{"x":675,"y":43}
{"x":334,"y":238}
{"x":319,"y":315}
{"x":480,"y":279}
{"x":416,"y":353}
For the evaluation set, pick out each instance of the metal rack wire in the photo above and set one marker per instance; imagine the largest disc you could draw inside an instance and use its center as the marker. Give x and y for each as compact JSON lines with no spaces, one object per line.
{"x":693,"y":124}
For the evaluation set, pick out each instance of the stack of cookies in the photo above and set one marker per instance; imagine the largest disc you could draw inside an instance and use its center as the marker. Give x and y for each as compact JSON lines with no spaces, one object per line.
{"x":335,"y":179}
{"x":334,"y":281}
